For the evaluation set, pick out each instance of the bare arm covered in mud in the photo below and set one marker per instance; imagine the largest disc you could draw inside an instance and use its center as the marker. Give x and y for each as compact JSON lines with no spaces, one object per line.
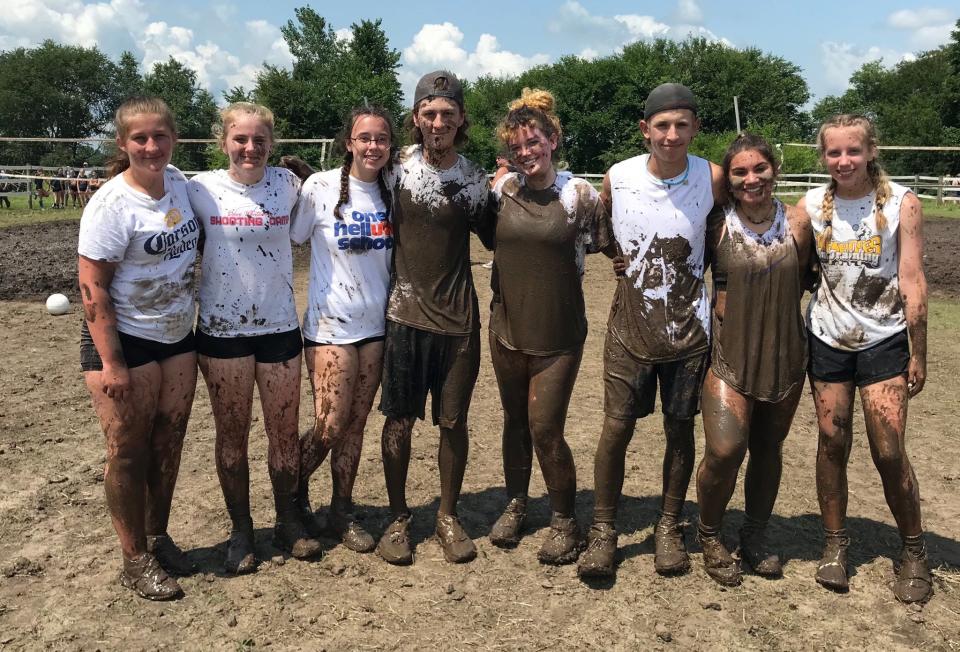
{"x":611,"y":251}
{"x":95,"y":278}
{"x":810,"y":265}
{"x":716,"y":229}
{"x":799,"y":223}
{"x":913,"y":289}
{"x":719,"y":183}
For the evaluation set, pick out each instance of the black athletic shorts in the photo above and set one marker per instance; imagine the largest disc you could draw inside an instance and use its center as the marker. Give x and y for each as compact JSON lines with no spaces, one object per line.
{"x":416,"y":362}
{"x":630,"y":385}
{"x":307,"y":343}
{"x":882,"y":361}
{"x":275,"y":347}
{"x":137,"y":351}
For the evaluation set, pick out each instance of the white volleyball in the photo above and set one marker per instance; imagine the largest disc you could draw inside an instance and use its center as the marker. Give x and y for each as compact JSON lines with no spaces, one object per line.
{"x":58,"y":304}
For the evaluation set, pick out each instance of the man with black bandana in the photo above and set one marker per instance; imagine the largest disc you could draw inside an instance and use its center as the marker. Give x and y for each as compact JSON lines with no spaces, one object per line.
{"x":659,"y":325}
{"x":433,"y":330}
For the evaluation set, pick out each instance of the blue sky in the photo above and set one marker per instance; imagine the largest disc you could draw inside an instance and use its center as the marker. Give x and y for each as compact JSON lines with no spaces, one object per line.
{"x":226,"y":41}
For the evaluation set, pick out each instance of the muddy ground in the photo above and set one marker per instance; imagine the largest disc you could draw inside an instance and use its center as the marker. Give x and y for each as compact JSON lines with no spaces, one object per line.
{"x":59,"y":556}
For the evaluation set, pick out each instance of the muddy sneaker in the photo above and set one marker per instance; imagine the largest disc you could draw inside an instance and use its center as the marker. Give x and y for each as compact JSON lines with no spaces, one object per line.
{"x":291,"y":536}
{"x":670,"y":556}
{"x":505,"y":533}
{"x":599,"y":557}
{"x":718,"y":562}
{"x":457,"y":547}
{"x":343,"y":524}
{"x":563,"y":543}
{"x":240,"y":554}
{"x":394,"y":546}
{"x":913,"y":583}
{"x":832,"y":567}
{"x":171,"y":558}
{"x":755,"y":552}
{"x":145,"y":576}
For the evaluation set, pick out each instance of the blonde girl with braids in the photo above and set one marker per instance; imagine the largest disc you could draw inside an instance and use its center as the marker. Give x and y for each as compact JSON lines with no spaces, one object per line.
{"x":546,"y":222}
{"x":345,"y":214}
{"x":138,"y":244}
{"x":248,"y":334}
{"x":867,"y":326}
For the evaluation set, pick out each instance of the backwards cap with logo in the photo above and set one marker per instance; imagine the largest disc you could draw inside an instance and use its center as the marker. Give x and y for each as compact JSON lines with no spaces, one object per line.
{"x":440,"y":83}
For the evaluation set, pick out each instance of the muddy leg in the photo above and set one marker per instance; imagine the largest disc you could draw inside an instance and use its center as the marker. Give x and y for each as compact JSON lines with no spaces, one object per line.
{"x":395,"y":448}
{"x":513,"y":380}
{"x":771,"y":424}
{"x":834,"y":405}
{"x":279,"y":387}
{"x":608,"y":467}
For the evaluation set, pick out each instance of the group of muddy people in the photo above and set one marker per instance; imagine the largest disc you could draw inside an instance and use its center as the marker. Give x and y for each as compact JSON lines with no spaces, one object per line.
{"x":391,"y":304}
{"x":65,"y":184}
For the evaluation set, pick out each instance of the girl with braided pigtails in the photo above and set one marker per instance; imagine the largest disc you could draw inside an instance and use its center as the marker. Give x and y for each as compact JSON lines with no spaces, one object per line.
{"x":345,"y":213}
{"x":867,"y":325}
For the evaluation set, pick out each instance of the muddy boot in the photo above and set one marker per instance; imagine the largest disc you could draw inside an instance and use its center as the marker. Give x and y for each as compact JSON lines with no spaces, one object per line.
{"x":145,"y":576}
{"x":717,"y":560}
{"x":457,"y":547}
{"x":343,"y":524}
{"x":832,"y":568}
{"x":505,"y":533}
{"x":563,"y":543}
{"x":599,"y":558}
{"x":913,"y":583}
{"x":240,"y":554}
{"x":313,"y":525}
{"x":289,"y":533}
{"x":755,"y":551}
{"x":171,"y":558}
{"x":394,"y":546}
{"x":670,"y":557}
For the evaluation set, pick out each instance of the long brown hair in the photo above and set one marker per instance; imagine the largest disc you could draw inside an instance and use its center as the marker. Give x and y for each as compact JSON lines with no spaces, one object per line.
{"x":125,"y":113}
{"x":878,"y":178}
{"x":385,"y":195}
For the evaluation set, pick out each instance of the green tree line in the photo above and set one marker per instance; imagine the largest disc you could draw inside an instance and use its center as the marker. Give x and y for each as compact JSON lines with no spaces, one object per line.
{"x":66,"y":91}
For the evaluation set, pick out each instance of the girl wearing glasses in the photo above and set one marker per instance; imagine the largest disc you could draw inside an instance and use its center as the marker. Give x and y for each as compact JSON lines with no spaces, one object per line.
{"x":345,"y":214}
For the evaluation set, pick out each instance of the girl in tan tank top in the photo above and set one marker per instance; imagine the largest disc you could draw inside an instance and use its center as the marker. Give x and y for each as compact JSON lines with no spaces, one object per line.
{"x":758,"y":249}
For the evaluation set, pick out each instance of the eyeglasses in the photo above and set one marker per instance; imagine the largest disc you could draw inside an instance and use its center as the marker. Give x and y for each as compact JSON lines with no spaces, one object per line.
{"x":380,"y":141}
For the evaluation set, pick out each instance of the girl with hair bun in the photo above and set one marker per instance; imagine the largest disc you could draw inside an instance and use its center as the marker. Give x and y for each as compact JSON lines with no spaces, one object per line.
{"x":247,"y":331}
{"x":345,"y":214}
{"x":867,"y":325}
{"x":138,"y":244}
{"x":546,"y":222}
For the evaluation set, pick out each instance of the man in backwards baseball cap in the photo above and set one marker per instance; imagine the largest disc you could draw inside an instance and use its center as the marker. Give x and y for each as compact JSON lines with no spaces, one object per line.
{"x":659,"y":327}
{"x":432,"y":340}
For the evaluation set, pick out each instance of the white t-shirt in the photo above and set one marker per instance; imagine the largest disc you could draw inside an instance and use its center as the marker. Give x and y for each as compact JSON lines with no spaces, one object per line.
{"x":154,"y":243}
{"x":246,"y":284}
{"x":857,"y":303}
{"x":349,"y":259}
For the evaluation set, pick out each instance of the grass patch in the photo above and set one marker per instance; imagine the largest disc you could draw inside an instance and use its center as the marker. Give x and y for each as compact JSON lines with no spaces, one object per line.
{"x":20,"y":212}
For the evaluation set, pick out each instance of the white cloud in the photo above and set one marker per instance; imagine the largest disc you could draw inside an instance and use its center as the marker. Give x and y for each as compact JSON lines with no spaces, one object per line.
{"x":841,"y":60}
{"x":929,"y":27}
{"x":440,"y":46}
{"x":688,"y":11}
{"x":344,"y":34}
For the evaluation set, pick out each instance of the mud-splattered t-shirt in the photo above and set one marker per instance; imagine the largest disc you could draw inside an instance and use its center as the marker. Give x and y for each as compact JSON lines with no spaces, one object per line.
{"x":858,"y":301}
{"x":541,"y":239}
{"x":349,"y":259}
{"x":246,"y":280}
{"x":660,"y":309}
{"x":435,"y":211}
{"x":760,"y":344}
{"x":154,"y":243}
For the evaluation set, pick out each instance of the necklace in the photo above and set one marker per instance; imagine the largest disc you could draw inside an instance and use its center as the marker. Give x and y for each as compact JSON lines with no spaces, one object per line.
{"x":672,"y":182}
{"x":769,"y":215}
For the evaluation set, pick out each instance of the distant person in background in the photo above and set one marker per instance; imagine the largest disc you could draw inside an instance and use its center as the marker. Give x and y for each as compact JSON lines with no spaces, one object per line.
{"x":138,"y":243}
{"x":4,"y":189}
{"x":37,"y":189}
{"x":867,"y":325}
{"x":56,"y":185}
{"x":70,"y":174}
{"x":82,"y":183}
{"x":248,"y":333}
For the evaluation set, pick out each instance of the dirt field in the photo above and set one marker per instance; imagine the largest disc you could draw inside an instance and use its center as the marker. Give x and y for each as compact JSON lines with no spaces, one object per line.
{"x":59,"y":556}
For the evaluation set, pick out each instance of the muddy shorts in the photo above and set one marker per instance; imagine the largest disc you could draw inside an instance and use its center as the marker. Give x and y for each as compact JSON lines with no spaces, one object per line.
{"x":630,"y":385}
{"x":882,"y":361}
{"x":137,"y":351}
{"x":416,"y":362}
{"x":271,"y":348}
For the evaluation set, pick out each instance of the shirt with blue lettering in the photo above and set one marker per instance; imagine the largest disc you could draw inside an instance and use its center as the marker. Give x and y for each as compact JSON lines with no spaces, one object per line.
{"x":154,"y":245}
{"x":350,"y":257}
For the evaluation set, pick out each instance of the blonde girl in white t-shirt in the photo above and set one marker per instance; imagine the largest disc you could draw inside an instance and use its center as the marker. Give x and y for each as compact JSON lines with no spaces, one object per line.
{"x":345,"y":214}
{"x":247,"y":333}
{"x":138,"y":240}
{"x":867,"y":325}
